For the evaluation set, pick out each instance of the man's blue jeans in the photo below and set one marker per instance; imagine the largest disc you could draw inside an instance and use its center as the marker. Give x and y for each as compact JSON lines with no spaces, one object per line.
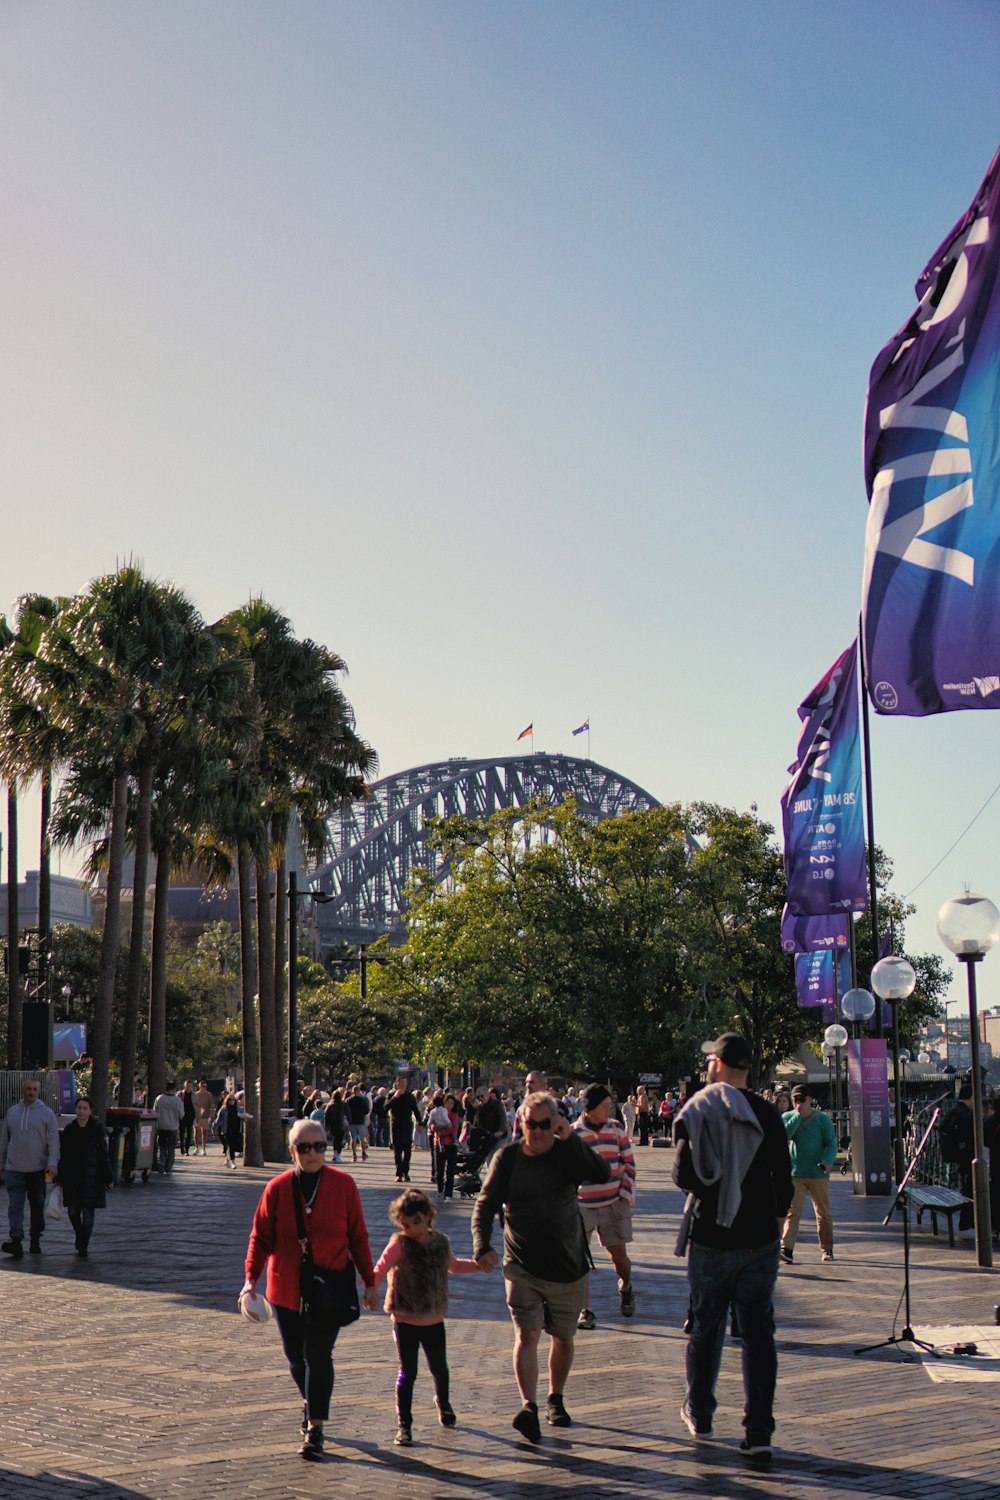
{"x":743,"y":1280}
{"x":21,"y":1185}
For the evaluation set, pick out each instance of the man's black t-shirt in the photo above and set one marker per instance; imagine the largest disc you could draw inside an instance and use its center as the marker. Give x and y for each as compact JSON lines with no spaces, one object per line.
{"x":403,"y":1112}
{"x":767,"y":1187}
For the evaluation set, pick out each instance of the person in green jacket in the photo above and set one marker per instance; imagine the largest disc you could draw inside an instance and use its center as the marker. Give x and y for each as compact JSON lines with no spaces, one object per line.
{"x":812,"y":1142}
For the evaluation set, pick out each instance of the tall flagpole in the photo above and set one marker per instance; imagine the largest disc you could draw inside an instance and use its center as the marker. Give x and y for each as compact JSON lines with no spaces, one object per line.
{"x":870,"y":814}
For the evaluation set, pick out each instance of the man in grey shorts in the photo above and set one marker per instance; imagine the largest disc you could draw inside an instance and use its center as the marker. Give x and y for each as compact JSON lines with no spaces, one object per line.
{"x":607,"y":1207}
{"x":535,"y":1181}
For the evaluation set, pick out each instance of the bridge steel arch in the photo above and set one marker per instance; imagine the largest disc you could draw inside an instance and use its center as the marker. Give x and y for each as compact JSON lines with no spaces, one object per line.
{"x":377,"y":843}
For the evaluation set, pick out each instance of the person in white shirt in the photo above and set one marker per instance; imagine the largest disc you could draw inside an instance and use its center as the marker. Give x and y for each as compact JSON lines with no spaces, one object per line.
{"x":169,"y":1114}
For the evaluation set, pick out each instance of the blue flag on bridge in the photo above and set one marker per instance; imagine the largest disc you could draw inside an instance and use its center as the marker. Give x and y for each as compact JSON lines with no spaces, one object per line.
{"x":931,"y":595}
{"x":822,"y":811}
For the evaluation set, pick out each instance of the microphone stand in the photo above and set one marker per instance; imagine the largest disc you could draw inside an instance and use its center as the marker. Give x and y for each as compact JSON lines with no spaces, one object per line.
{"x":902,"y":1199}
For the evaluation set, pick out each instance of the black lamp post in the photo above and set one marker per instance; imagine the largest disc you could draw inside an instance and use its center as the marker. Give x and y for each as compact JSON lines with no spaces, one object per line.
{"x":894,"y":979}
{"x":970,"y":926}
{"x":294,"y":897}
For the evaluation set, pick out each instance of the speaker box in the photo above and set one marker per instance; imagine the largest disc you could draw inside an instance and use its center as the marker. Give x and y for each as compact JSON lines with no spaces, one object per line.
{"x":36,"y":1034}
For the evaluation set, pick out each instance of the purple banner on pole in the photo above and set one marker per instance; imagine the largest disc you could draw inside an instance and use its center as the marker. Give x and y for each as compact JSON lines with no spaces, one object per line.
{"x":809,"y":934}
{"x":822,"y":806}
{"x":868,"y":1093}
{"x":931,"y":596}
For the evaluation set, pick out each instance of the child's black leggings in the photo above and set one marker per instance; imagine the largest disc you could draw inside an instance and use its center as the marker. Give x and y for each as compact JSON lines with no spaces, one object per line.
{"x":410,"y":1339}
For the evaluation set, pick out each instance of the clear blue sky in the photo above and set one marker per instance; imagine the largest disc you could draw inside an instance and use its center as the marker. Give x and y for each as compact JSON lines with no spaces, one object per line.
{"x":518,"y":351}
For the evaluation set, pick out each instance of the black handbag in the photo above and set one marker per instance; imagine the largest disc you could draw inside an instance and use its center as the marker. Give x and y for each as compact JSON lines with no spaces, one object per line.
{"x":322,"y":1291}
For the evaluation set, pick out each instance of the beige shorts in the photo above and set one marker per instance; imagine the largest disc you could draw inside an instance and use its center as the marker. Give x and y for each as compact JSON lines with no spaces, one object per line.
{"x":534,"y":1303}
{"x":613,"y":1222}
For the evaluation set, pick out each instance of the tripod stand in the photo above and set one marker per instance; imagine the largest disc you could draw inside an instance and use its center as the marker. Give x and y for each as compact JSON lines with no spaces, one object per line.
{"x":902,"y":1199}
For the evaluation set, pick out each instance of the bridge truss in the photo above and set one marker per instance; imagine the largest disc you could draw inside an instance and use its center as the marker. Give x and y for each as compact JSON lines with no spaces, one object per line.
{"x":377,"y":843}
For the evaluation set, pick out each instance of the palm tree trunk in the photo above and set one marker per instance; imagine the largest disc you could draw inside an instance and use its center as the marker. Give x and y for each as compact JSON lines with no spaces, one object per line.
{"x":156,"y":1058}
{"x":104,"y":1003}
{"x":280,"y":976}
{"x":45,"y":886}
{"x":271,"y":1133}
{"x":14,"y":1014}
{"x":252,"y":1154}
{"x":137,"y":942}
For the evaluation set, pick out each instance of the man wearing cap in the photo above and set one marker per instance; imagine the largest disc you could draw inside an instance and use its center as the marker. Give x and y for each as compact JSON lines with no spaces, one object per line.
{"x":534,"y":1181}
{"x":607,"y":1206}
{"x":732,"y":1160}
{"x":812,"y":1142}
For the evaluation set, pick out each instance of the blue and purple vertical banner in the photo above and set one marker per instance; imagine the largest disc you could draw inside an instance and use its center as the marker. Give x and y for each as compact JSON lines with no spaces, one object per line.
{"x":931,"y":593}
{"x":812,"y":934}
{"x":868,"y":1096}
{"x":822,"y":806}
{"x":821,"y":977}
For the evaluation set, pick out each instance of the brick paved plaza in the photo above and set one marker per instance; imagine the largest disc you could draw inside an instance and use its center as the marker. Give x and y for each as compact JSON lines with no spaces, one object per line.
{"x":131,"y":1374}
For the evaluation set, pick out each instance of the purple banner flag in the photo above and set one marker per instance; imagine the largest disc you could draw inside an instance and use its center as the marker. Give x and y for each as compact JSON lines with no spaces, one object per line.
{"x":810,"y":934}
{"x":820,"y":980}
{"x":931,"y":595}
{"x":821,"y":808}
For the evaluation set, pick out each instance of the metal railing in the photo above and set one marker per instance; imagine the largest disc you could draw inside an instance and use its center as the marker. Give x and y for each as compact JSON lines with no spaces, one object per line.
{"x":931,"y":1168}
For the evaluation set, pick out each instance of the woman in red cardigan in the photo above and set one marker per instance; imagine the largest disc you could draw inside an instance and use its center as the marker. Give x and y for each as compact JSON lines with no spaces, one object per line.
{"x":337,"y":1232}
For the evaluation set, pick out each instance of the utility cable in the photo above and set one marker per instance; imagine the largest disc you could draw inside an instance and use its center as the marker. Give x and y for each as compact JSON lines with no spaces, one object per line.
{"x":955,"y":845}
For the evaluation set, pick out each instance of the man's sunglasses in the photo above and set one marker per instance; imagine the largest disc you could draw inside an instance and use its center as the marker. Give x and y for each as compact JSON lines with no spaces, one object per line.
{"x":302,"y":1146}
{"x":538,"y":1124}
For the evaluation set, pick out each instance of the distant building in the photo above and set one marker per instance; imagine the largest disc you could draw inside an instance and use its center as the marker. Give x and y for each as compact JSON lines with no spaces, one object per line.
{"x":70,"y":902}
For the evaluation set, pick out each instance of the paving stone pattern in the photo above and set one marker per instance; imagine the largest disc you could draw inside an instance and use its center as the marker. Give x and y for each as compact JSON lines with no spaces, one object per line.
{"x":132,"y":1375}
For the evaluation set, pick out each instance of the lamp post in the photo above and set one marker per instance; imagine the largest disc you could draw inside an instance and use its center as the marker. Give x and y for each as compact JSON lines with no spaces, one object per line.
{"x":857,"y":1006}
{"x":835,"y":1037}
{"x":894,"y":979}
{"x":970,"y":926}
{"x":294,"y":897}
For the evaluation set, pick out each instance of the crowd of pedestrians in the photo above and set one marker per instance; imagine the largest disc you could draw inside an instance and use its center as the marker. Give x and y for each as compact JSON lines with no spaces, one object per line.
{"x":559,"y":1173}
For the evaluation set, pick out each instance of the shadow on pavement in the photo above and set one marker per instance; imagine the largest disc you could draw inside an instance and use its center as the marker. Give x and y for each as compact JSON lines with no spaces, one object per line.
{"x":42,"y":1485}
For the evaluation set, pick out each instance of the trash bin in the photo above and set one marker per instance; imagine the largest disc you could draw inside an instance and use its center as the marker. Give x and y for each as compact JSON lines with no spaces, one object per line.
{"x":133,"y":1142}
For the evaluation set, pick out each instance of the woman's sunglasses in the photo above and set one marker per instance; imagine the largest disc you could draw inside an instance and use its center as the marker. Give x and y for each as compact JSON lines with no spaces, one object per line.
{"x":303,"y":1146}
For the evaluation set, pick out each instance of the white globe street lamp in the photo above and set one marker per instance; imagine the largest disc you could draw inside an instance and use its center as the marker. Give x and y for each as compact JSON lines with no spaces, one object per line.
{"x":970,"y":926}
{"x":835,"y":1037}
{"x":894,"y":979}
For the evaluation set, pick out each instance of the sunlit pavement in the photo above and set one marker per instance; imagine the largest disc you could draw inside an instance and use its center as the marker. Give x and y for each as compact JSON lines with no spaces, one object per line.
{"x":132,"y":1374}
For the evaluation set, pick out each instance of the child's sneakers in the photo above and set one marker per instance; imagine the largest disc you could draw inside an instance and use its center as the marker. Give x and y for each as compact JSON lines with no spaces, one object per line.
{"x":404,"y":1437}
{"x":446,"y":1416}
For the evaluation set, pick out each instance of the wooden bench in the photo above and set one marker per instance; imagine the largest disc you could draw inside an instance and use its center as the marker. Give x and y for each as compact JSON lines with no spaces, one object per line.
{"x":928,"y":1198}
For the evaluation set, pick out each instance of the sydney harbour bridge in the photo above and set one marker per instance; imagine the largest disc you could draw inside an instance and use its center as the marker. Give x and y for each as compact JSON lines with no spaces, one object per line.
{"x":377,"y":843}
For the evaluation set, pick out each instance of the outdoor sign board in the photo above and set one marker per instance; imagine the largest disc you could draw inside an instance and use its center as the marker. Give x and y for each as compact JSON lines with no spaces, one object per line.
{"x":868,"y":1092}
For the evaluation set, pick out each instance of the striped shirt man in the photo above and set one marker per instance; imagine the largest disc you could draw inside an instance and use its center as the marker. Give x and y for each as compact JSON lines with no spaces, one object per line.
{"x":611,"y":1141}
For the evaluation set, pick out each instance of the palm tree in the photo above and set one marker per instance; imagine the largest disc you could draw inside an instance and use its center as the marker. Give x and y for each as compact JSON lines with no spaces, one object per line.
{"x":98,"y":668}
{"x":308,"y":758}
{"x":30,"y":745}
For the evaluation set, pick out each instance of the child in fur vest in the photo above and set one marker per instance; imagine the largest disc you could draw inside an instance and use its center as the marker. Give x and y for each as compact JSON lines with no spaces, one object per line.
{"x":417,"y":1261}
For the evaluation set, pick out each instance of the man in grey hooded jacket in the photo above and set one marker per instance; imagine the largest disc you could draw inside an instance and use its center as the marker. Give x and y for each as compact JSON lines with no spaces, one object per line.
{"x":732,"y":1159}
{"x":29,"y":1155}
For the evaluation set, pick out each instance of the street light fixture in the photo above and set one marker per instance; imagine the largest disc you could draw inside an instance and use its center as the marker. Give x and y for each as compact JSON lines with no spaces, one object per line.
{"x":894,"y":979}
{"x":970,"y":926}
{"x":857,"y":1006}
{"x":835,"y":1037}
{"x":294,"y":897}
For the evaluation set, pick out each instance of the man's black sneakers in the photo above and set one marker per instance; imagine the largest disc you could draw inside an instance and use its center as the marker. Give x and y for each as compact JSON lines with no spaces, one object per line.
{"x":527,"y":1424}
{"x":699,"y":1427}
{"x":555,"y":1412}
{"x":13,"y":1247}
